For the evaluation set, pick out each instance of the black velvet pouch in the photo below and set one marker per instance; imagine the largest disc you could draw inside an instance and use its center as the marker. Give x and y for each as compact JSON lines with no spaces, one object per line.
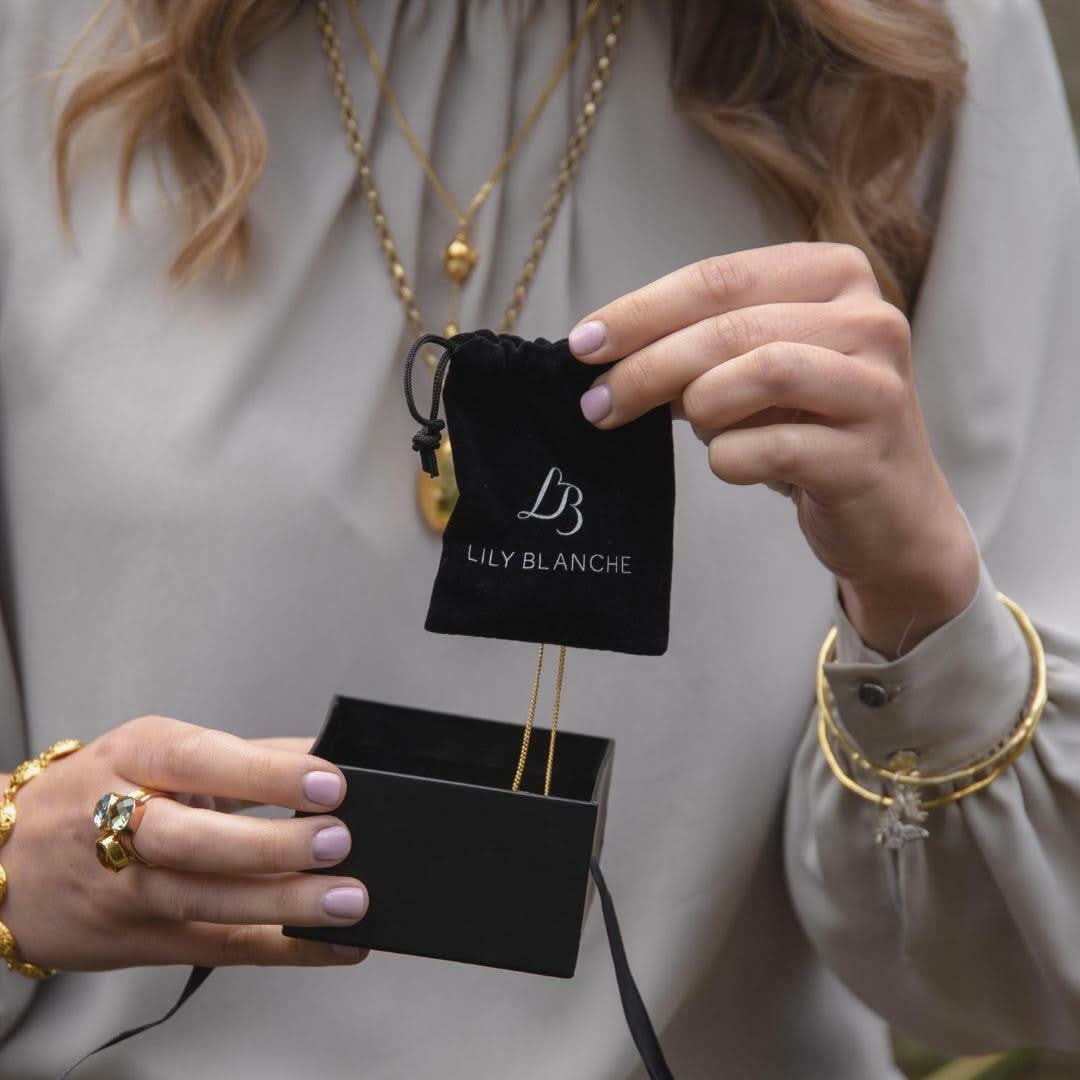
{"x":562,"y":533}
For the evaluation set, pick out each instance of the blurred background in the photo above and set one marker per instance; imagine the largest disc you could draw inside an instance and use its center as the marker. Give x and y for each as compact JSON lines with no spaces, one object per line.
{"x":917,"y":1061}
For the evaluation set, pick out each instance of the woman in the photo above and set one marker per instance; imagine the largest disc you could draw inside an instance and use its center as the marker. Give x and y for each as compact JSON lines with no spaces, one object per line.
{"x":210,"y":526}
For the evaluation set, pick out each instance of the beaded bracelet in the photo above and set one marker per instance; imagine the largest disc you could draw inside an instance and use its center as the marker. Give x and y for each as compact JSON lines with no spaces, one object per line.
{"x":905,"y":804}
{"x":9,"y":949}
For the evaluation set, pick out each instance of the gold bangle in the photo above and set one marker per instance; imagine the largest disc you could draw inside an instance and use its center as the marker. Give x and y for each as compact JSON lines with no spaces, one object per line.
{"x":990,"y":767}
{"x":23,"y":774}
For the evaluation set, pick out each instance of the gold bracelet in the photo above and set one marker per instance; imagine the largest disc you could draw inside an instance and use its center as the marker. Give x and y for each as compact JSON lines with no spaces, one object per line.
{"x":972,"y":777}
{"x":9,"y":949}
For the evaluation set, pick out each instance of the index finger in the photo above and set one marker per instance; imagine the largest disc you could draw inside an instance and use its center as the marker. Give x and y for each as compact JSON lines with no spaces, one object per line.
{"x":170,"y":755}
{"x":811,"y":272}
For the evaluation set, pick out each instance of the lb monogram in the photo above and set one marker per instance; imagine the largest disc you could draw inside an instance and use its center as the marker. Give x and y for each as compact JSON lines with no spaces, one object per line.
{"x":569,"y":498}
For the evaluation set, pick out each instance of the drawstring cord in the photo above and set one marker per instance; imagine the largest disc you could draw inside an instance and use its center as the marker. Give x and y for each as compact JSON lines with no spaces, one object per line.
{"x":428,"y":439}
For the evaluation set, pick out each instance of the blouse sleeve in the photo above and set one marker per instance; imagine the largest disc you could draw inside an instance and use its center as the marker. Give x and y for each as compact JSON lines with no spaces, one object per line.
{"x":970,"y":938}
{"x":16,"y":991}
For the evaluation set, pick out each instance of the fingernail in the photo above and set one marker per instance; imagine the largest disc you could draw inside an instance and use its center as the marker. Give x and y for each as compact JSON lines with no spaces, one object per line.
{"x":331,"y":843}
{"x":347,"y":952}
{"x":596,"y":403}
{"x":346,"y":903}
{"x":587,"y":338}
{"x":324,"y":788}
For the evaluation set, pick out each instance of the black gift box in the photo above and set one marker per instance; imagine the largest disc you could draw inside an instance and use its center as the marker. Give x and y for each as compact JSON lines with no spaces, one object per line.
{"x":457,"y":865}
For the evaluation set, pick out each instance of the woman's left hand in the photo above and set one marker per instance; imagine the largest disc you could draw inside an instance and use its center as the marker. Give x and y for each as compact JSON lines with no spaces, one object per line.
{"x":796,"y":373}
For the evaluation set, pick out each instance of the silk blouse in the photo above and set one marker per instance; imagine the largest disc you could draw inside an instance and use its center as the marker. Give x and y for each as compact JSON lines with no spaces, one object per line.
{"x":207,"y":511}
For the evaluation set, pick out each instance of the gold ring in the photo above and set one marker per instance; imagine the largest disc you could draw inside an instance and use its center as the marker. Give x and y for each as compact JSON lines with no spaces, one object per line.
{"x":116,"y":850}
{"x":117,"y":817}
{"x":122,"y":813}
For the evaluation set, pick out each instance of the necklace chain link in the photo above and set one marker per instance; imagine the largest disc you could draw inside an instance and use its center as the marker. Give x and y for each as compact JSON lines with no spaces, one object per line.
{"x":464,"y":217}
{"x":568,"y":167}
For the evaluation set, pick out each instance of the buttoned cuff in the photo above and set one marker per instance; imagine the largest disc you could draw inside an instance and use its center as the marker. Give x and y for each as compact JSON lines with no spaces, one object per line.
{"x":955,"y":696}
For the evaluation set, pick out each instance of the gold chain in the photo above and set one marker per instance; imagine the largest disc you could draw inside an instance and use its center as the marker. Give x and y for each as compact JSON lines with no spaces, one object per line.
{"x":526,"y":737}
{"x":9,"y":948}
{"x":568,"y":167}
{"x":464,"y":217}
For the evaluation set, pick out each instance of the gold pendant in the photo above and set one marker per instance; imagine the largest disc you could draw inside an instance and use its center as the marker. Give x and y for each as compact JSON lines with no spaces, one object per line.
{"x":459,"y":258}
{"x":437,"y":495}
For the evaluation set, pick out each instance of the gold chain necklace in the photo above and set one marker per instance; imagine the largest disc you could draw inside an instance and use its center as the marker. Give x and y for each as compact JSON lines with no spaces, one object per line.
{"x":460,"y":256}
{"x":437,"y":496}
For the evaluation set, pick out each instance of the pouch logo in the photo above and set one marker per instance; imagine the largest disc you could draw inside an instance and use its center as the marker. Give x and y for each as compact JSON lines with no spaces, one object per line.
{"x":569,"y":497}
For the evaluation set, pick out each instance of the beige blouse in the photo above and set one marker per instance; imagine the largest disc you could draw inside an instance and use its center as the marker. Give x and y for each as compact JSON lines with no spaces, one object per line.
{"x":207,"y":512}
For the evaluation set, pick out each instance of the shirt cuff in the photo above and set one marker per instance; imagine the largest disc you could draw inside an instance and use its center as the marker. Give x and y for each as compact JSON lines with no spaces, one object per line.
{"x":955,"y":696}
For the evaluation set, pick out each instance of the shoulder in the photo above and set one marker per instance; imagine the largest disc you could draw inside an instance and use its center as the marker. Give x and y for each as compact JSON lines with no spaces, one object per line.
{"x":993,"y":32}
{"x":1015,"y":91}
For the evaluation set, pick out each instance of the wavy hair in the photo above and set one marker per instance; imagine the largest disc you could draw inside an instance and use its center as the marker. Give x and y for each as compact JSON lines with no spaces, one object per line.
{"x":828,"y":103}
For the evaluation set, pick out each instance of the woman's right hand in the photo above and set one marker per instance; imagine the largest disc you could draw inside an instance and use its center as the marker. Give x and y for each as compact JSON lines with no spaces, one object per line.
{"x":220,"y":885}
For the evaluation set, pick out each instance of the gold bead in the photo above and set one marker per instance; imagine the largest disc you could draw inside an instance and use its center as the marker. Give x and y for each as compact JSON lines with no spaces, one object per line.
{"x":597,"y":86}
{"x":603,"y":63}
{"x":26,"y":771}
{"x":610,"y":40}
{"x":398,"y":271}
{"x":7,"y":818}
{"x":459,"y":259}
{"x":31,"y":971}
{"x":8,"y":949}
{"x":590,"y":108}
{"x":616,"y":20}
{"x":405,"y":294}
{"x":61,"y":748}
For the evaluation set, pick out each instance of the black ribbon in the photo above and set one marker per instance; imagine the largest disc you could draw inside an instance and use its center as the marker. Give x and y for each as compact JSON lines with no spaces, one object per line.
{"x":426,"y":441}
{"x":637,"y":1016}
{"x":197,"y":977}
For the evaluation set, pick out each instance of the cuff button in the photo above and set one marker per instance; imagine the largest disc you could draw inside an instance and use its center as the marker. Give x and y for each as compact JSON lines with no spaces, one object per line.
{"x":873,"y":694}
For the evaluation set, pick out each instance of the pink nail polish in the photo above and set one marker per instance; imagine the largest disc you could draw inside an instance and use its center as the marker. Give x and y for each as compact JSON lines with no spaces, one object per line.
{"x":324,"y":788}
{"x":596,"y":403}
{"x":346,"y":903}
{"x":331,"y":844}
{"x":587,"y":338}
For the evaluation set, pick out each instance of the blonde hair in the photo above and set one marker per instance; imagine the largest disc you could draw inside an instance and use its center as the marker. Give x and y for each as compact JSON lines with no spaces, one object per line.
{"x":829,"y":103}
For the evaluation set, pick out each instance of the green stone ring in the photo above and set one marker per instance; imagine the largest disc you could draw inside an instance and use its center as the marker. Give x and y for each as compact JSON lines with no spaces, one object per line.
{"x":121,"y":813}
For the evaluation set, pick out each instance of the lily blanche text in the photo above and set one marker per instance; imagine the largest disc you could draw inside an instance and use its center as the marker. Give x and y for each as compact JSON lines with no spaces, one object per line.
{"x":573,"y":563}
